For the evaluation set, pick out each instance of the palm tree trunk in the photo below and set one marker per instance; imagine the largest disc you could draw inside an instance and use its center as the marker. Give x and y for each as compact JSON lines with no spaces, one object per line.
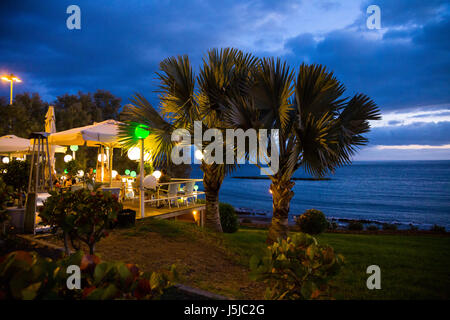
{"x":281,"y":194}
{"x":212,"y":180}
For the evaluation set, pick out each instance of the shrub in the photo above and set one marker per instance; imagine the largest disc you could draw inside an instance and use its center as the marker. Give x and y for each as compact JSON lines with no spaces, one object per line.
{"x":228,"y":218}
{"x":332,"y":225}
{"x":5,"y":195}
{"x":16,"y":175}
{"x":355,"y":226}
{"x":82,"y":215}
{"x":389,"y":227}
{"x":72,"y":168}
{"x":296,"y":268}
{"x":438,"y":229}
{"x":312,"y":221}
{"x":43,"y":278}
{"x":372,"y":227}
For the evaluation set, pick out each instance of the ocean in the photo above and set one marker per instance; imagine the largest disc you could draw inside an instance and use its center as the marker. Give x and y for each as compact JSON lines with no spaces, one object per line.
{"x":400,"y":192}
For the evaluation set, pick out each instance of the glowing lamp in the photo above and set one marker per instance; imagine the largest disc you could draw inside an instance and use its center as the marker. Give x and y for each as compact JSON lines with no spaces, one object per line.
{"x":141,"y":132}
{"x":65,"y":171}
{"x":133,"y":174}
{"x":74,"y":148}
{"x":198,"y":154}
{"x":80,"y":173}
{"x":156,"y":174}
{"x":5,"y":160}
{"x":134,"y":153}
{"x":127,"y":172}
{"x":114,"y":174}
{"x":196,"y":187}
{"x":100,"y":156}
{"x":67,"y":158}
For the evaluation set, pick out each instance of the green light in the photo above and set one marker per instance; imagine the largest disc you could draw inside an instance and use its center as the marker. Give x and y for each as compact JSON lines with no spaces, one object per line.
{"x":65,"y":171}
{"x":133,"y":174}
{"x":196,"y":187}
{"x":95,"y":170}
{"x":74,"y":148}
{"x":141,"y":131}
{"x":127,"y":172}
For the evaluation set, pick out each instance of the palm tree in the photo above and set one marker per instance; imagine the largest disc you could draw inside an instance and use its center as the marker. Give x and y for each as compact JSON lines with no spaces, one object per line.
{"x":318,"y":128}
{"x":183,"y":102}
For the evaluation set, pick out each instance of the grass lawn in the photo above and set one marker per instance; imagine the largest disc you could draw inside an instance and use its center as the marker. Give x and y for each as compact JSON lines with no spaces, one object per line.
{"x":412,"y":267}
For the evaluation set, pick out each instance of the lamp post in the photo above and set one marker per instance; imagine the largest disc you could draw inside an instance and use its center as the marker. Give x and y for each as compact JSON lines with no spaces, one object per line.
{"x":141,"y":132}
{"x":11,"y":78}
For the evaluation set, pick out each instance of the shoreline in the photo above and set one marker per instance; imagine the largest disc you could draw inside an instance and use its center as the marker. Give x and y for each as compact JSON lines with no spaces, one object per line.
{"x":263,"y":218}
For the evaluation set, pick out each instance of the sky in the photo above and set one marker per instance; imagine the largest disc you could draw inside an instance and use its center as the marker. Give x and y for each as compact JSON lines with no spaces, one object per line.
{"x":404,"y":66}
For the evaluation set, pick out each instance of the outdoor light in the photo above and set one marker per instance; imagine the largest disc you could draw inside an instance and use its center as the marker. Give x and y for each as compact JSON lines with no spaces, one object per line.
{"x":141,"y":131}
{"x":196,"y":187}
{"x":199,"y":154}
{"x":5,"y":160}
{"x":80,"y":173}
{"x":67,"y":158}
{"x":11,"y":78}
{"x":270,"y":191}
{"x":74,"y":148}
{"x":134,"y":153}
{"x":133,"y":174}
{"x":114,"y":174}
{"x":156,"y":174}
{"x":65,"y":171}
{"x":127,"y":172}
{"x":99,"y":158}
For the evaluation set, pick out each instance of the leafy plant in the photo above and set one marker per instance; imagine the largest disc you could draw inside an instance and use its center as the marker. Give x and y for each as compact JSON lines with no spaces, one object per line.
{"x":312,"y":221}
{"x":228,"y":218}
{"x":297,"y":268}
{"x":389,"y":227}
{"x":82,"y":215}
{"x":28,"y":276}
{"x":15,"y":174}
{"x":355,"y":226}
{"x":72,"y":168}
{"x":372,"y":227}
{"x":438,"y":229}
{"x":5,"y":195}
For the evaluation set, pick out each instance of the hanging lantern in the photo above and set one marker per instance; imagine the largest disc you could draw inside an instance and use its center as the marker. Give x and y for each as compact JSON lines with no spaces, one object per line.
{"x":67,"y":158}
{"x":100,"y":156}
{"x":156,"y":174}
{"x":196,"y":187}
{"x":134,"y":153}
{"x":5,"y":160}
{"x":133,"y":174}
{"x":74,"y":148}
{"x":127,"y":172}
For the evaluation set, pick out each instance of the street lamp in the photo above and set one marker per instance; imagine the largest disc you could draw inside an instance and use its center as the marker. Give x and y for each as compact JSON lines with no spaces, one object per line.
{"x":11,"y":78}
{"x":141,"y":132}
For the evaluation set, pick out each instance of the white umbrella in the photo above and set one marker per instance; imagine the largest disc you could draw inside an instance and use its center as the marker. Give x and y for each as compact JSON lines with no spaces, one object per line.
{"x":105,"y":133}
{"x":12,"y":144}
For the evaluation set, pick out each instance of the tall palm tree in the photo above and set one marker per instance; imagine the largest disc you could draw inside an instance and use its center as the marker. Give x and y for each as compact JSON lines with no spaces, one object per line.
{"x":318,"y":128}
{"x":183,"y":102}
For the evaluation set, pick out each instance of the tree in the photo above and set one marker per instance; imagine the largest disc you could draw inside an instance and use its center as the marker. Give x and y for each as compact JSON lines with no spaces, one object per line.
{"x":186,"y":98}
{"x":15,"y":174}
{"x":318,"y":128}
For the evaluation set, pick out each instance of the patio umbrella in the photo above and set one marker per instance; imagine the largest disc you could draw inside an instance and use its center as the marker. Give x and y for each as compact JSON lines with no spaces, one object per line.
{"x":50,"y":127}
{"x":12,"y":144}
{"x":103,"y":133}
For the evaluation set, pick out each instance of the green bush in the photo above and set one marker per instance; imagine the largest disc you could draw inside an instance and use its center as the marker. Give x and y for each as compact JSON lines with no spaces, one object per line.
{"x":81,"y":215}
{"x":438,"y":229}
{"x":296,"y":268}
{"x":389,"y":227}
{"x":28,"y":276}
{"x":312,"y":221}
{"x":372,"y":227}
{"x":15,"y":174}
{"x":72,"y":168}
{"x":228,"y":218}
{"x":355,"y":226}
{"x":332,"y":225}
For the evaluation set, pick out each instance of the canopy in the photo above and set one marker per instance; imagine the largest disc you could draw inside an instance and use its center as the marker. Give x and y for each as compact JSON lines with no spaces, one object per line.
{"x":14,"y":144}
{"x":105,"y":133}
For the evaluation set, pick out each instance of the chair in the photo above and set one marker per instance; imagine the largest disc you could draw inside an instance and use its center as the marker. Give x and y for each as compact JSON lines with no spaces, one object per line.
{"x":188,"y":191}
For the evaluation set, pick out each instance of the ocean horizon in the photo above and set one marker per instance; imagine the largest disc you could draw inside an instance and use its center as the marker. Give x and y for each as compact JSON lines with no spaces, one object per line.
{"x":402,"y":192}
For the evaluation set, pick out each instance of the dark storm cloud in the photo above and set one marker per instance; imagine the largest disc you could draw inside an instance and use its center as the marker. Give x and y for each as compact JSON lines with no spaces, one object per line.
{"x":405,"y":65}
